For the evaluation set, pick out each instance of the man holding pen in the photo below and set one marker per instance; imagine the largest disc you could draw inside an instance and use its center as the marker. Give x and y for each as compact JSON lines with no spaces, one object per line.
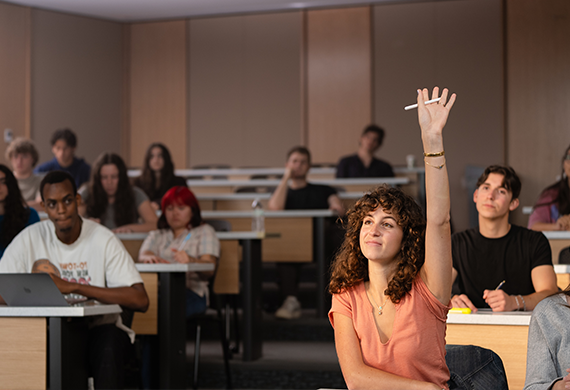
{"x":499,"y":265}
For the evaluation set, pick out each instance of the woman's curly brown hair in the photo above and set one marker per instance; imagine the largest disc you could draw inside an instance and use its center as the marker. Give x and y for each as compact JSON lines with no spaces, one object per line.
{"x":350,"y":267}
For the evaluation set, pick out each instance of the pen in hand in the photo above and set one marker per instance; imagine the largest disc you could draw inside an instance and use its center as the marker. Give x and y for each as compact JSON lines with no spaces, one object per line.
{"x":500,"y":285}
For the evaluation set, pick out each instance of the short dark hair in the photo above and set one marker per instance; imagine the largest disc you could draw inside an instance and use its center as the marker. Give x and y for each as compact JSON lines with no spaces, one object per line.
{"x":377,"y":130}
{"x":301,"y":150}
{"x":511,"y":180}
{"x":55,"y":177}
{"x":65,"y":134}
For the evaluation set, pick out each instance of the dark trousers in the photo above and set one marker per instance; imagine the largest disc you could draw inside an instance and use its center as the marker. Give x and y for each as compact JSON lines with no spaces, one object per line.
{"x":474,"y":368}
{"x":108,"y":346}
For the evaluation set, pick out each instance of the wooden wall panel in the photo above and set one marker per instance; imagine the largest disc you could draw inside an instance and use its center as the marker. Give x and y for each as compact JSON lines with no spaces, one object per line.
{"x":538,"y":94}
{"x":14,"y":71}
{"x":339,"y":80}
{"x":158,"y":86}
{"x":245,"y":89}
{"x":76,"y":82}
{"x":454,"y":44}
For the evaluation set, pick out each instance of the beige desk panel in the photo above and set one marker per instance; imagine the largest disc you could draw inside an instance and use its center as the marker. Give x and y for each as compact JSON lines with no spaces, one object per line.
{"x":23,"y":353}
{"x":563,"y":280}
{"x":147,"y":323}
{"x":507,"y":341}
{"x":295,"y":243}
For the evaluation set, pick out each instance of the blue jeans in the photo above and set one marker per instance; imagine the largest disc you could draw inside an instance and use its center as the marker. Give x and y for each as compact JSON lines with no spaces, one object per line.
{"x":474,"y":368}
{"x":195,"y":304}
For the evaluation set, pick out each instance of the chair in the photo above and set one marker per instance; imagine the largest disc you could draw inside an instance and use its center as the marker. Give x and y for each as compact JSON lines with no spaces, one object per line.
{"x":475,"y":368}
{"x":564,"y":256}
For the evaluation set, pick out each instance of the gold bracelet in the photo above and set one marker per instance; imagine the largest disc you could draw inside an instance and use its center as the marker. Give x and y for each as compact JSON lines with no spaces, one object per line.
{"x":442,"y":153}
{"x":435,"y":166}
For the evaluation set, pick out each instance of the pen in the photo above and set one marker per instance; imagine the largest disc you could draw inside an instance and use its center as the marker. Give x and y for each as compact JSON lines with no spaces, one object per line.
{"x":184,"y":241}
{"x":500,"y":285}
{"x":412,"y":106}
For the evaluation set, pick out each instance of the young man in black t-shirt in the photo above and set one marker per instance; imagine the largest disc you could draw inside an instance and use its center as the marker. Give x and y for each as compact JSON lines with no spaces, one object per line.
{"x":497,"y":251}
{"x":295,"y":193}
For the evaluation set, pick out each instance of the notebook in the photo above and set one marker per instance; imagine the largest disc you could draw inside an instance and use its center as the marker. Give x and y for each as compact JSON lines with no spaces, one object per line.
{"x":30,"y":290}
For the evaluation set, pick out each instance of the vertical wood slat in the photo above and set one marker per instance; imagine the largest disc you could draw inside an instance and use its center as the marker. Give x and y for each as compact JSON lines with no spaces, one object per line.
{"x":538,"y":95}
{"x":339,"y":79}
{"x":158,"y":89}
{"x":14,"y":71}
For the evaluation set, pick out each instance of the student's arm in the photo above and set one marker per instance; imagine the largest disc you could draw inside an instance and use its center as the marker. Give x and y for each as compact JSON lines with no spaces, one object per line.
{"x":133,"y":297}
{"x":544,"y":282}
{"x":148,"y":216}
{"x":335,"y":204}
{"x":436,"y":271}
{"x":563,"y":223}
{"x":279,"y":196}
{"x":184,"y":258}
{"x":460,"y":300}
{"x":358,"y":375}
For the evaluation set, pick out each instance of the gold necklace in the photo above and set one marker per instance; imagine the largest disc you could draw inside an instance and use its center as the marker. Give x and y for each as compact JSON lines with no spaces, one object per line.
{"x":380,"y":307}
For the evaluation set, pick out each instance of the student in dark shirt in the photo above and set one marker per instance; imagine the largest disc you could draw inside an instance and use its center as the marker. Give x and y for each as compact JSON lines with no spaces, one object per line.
{"x":63,"y":144}
{"x":295,"y":193}
{"x":157,"y":175}
{"x":496,"y":250}
{"x":363,"y":163}
{"x":14,"y":214}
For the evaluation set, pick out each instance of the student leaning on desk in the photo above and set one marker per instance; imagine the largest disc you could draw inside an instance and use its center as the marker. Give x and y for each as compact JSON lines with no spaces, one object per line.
{"x":496,"y":250}
{"x":83,"y":258}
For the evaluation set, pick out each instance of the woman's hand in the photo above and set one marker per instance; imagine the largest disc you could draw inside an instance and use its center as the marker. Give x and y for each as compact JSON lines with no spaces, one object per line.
{"x":432,"y":117}
{"x":564,"y":383}
{"x":181,"y":256}
{"x":563,"y":222}
{"x":152,"y":259}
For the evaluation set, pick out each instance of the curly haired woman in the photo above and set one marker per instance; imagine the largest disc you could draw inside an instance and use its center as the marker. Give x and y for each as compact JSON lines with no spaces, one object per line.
{"x":391,"y":280}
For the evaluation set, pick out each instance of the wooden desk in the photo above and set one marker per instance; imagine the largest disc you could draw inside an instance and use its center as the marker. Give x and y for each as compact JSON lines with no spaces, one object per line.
{"x":303,"y":239}
{"x":558,"y":241}
{"x":24,"y":340}
{"x":504,"y":333}
{"x":562,"y":275}
{"x":251,"y":283}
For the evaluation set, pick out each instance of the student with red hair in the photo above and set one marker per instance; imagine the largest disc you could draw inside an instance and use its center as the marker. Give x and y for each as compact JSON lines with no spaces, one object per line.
{"x":182,"y":237}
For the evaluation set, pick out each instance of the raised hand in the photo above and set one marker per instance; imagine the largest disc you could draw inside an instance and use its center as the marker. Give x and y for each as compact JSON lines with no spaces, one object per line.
{"x":432,"y":117}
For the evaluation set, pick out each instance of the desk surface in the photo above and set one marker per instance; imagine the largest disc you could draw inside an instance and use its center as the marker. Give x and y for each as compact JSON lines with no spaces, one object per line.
{"x":268,"y":214}
{"x":175,"y":267}
{"x":262,"y":171}
{"x":265,"y":195}
{"x":88,"y":309}
{"x":557,"y":235}
{"x":488,"y":317}
{"x":274,"y":183}
{"x":562,"y":268}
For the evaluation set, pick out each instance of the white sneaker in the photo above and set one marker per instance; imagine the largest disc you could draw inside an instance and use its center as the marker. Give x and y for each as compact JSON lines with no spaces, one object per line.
{"x":290,"y":309}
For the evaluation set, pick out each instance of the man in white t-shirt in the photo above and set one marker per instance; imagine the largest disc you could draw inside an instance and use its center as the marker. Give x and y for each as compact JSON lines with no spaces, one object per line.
{"x":87,"y":259}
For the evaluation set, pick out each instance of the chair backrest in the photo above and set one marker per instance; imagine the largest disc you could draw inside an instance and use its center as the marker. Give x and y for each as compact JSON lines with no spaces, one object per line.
{"x":564,"y":256}
{"x":219,"y":225}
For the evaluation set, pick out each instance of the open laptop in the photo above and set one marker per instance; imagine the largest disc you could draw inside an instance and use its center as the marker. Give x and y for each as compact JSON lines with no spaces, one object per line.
{"x":30,"y":290}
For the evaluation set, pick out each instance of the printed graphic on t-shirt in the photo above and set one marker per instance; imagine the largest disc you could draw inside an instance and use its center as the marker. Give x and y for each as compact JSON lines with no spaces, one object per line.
{"x":75,"y":272}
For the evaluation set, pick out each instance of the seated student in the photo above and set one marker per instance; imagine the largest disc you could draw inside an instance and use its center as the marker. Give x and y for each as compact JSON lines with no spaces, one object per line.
{"x":23,"y":156}
{"x":363,"y":163}
{"x":496,"y":250}
{"x":391,"y":280}
{"x":183,"y":238}
{"x":552,"y":210}
{"x":548,"y":351}
{"x":295,"y":193}
{"x":111,"y":200}
{"x":157,"y":175}
{"x":63,"y":144}
{"x":84,"y":251}
{"x":14,"y":215}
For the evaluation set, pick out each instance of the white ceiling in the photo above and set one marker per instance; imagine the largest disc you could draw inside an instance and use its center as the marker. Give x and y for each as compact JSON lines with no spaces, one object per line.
{"x":141,"y":10}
